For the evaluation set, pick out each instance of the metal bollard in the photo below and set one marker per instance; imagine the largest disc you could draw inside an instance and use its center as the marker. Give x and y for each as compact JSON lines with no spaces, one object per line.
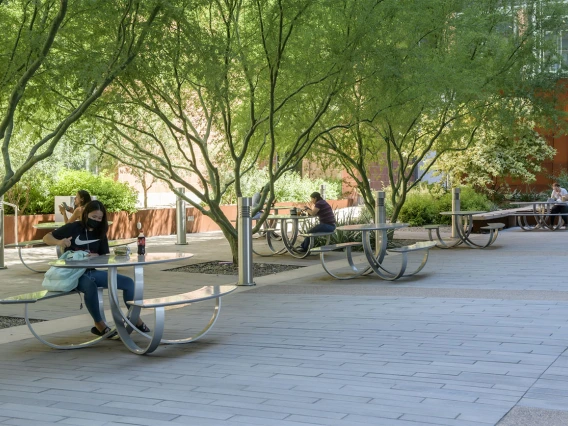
{"x":380,"y":214}
{"x":181,"y":224}
{"x":322,"y":191}
{"x":455,"y":208}
{"x":2,"y":263}
{"x":244,"y":228}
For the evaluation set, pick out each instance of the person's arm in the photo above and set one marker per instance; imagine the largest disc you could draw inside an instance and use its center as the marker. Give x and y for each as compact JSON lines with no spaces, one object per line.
{"x":63,"y":211}
{"x":75,"y":216}
{"x":312,"y":211}
{"x":103,"y":247}
{"x":50,"y":240}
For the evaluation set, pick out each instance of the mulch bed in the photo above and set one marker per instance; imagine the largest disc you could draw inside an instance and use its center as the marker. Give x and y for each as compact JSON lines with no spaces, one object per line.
{"x":229,"y":268}
{"x":6,"y":322}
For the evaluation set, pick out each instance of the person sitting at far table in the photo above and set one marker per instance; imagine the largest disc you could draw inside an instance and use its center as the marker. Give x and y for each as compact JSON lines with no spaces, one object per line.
{"x":81,"y":199}
{"x":559,"y":194}
{"x":324,"y":212}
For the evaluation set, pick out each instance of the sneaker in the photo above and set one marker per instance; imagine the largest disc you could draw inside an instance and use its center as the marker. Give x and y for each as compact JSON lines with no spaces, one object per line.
{"x":143,"y":328}
{"x":300,"y":249}
{"x":107,"y":330}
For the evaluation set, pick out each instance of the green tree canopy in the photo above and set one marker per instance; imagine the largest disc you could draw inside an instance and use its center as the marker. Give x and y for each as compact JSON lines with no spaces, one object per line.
{"x":433,"y":77}
{"x":58,"y":57}
{"x":230,"y":85}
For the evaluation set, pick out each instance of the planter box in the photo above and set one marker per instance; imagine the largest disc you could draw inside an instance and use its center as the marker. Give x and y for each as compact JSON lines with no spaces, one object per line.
{"x":154,"y":222}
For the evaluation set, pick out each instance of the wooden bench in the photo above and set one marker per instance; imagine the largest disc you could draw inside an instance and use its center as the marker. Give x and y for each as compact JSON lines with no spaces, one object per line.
{"x":40,"y":296}
{"x":40,"y":243}
{"x":419,"y":246}
{"x":159,"y":304}
{"x":497,"y":214}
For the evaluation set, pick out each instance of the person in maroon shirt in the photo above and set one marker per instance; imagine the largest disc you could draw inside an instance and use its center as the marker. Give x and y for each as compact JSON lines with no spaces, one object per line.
{"x":324,"y":212}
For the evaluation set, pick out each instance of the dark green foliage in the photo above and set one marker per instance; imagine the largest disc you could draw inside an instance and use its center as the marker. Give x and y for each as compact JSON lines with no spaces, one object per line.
{"x":528,"y":195}
{"x":35,"y":193}
{"x":116,"y":196}
{"x":423,"y":208}
{"x":561,"y":177}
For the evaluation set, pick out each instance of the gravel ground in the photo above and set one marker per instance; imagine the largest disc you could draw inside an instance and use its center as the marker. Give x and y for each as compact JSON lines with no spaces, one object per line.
{"x":6,"y":322}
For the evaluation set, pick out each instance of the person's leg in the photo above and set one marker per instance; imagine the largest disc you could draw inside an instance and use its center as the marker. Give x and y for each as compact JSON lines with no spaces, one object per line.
{"x":99,"y":279}
{"x":564,"y":209}
{"x":321,"y":227}
{"x":554,"y":210}
{"x":88,"y":285}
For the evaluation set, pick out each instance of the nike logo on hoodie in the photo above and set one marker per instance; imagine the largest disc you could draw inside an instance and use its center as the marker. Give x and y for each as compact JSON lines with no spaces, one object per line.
{"x":80,"y":242}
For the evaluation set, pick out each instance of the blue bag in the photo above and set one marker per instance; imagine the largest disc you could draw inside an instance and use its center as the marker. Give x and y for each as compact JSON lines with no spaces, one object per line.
{"x":64,"y":279}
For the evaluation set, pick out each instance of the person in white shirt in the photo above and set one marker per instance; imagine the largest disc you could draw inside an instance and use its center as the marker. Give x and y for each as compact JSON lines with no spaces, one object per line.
{"x":557,"y":194}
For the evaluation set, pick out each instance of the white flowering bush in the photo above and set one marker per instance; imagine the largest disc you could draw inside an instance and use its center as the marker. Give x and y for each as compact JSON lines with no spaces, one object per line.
{"x":498,"y":152}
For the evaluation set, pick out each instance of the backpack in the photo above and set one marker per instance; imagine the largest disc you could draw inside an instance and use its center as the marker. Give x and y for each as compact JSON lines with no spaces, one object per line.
{"x":64,"y":279}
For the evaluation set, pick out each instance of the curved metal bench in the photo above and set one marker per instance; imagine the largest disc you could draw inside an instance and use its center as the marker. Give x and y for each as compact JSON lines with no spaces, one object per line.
{"x":312,"y":236}
{"x":540,"y":219}
{"x":493,"y":229}
{"x":421,"y":245}
{"x":333,"y":247}
{"x":27,"y":244}
{"x":39,"y":296}
{"x":160,"y":303}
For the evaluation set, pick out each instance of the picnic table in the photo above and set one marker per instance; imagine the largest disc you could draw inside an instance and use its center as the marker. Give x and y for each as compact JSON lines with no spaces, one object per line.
{"x":463,"y":227}
{"x":375,"y":256}
{"x":287,"y":233}
{"x":540,"y":214}
{"x":124,"y":324}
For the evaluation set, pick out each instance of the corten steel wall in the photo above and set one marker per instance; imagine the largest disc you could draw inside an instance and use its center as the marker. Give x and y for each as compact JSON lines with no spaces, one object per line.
{"x":154,"y":222}
{"x":560,"y":143}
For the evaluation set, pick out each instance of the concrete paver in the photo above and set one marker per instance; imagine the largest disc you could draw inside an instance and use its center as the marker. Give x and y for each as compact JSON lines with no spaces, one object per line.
{"x":478,"y":338}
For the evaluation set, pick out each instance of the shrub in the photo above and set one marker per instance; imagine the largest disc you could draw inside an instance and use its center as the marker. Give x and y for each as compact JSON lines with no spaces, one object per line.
{"x":34,"y":194}
{"x":419,"y":209}
{"x":289,"y":188}
{"x":116,"y":196}
{"x":529,"y":195}
{"x":423,"y":207}
{"x":561,"y":178}
{"x":29,"y":193}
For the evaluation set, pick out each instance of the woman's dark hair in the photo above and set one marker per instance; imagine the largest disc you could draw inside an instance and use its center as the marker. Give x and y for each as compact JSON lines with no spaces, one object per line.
{"x":85,"y":196}
{"x":316,"y":195}
{"x":93,"y":206}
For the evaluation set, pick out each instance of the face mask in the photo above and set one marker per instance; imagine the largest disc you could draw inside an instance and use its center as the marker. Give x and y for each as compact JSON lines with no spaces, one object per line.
{"x":92,"y":223}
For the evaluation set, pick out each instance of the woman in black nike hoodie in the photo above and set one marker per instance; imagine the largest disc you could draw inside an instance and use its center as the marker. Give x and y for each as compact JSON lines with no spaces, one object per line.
{"x":90,"y":234}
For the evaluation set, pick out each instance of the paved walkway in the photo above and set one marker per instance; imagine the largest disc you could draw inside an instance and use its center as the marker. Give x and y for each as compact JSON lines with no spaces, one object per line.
{"x":478,"y":338}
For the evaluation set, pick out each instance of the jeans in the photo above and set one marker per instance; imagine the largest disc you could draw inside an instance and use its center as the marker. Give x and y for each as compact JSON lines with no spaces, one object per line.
{"x":321,"y":227}
{"x":559,"y":209}
{"x":91,"y":280}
